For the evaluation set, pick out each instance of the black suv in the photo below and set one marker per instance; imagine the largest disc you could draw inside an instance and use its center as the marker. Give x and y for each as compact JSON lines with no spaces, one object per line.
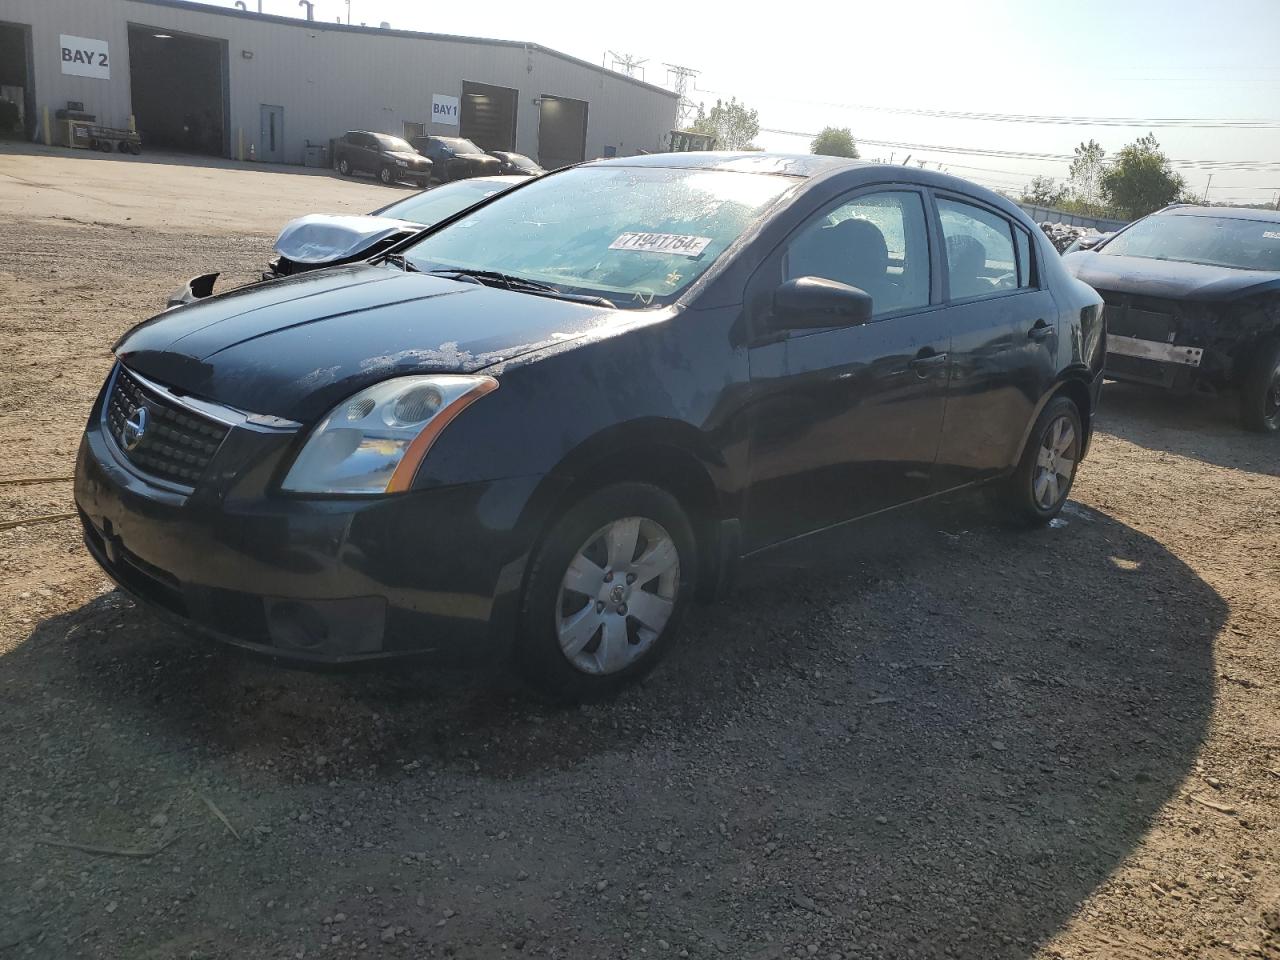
{"x":388,"y":158}
{"x":456,"y":159}
{"x":1193,"y":303}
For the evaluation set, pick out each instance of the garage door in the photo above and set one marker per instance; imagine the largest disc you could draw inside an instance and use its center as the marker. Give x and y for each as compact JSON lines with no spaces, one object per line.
{"x":562,"y":131}
{"x":488,"y":116}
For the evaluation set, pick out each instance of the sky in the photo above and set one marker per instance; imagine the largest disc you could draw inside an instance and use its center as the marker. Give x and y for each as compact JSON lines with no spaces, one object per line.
{"x":862,"y":65}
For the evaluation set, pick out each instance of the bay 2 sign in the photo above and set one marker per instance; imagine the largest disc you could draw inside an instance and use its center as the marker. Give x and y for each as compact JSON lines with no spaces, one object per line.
{"x":82,"y":57}
{"x":444,"y":109}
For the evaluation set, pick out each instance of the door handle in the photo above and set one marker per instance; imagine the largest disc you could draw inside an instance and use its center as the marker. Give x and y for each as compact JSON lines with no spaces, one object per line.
{"x":926,"y":362}
{"x":1041,"y":330}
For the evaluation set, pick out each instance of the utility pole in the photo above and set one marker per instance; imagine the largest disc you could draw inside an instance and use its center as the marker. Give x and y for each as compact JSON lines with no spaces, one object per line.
{"x":1206,"y":188}
{"x":348,"y":13}
{"x":678,"y":79}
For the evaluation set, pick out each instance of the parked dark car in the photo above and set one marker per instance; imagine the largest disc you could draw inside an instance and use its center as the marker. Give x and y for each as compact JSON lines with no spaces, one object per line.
{"x":517,"y":163}
{"x":326,"y":240}
{"x":388,"y":158}
{"x":456,"y":159}
{"x":1193,"y":301}
{"x":542,"y":429}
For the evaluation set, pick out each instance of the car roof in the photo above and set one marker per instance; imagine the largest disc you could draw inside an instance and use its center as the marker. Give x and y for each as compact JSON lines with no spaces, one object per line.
{"x":749,"y":161}
{"x":807,"y":166}
{"x":1226,"y":213}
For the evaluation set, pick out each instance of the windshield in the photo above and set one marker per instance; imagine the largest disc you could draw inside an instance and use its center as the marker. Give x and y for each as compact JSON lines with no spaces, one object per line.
{"x":1199,"y":238}
{"x":635,"y":235}
{"x":393,"y":144}
{"x":521,"y":162}
{"x":432,"y":206}
{"x":458,"y":145}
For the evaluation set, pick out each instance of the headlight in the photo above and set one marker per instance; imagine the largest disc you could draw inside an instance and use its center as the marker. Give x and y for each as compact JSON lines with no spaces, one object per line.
{"x":374,"y":441}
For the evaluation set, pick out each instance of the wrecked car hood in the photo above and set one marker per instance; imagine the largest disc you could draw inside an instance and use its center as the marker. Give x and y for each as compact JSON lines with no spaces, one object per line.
{"x":295,"y":347}
{"x":325,"y":238}
{"x":1168,"y":279}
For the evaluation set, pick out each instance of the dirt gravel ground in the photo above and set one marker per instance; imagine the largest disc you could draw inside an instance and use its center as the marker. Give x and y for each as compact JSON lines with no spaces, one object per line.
{"x":928,"y":738}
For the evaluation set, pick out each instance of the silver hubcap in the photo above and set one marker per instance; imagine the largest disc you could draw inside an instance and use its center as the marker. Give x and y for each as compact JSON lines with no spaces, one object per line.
{"x":1055,"y":463}
{"x":617,"y":595}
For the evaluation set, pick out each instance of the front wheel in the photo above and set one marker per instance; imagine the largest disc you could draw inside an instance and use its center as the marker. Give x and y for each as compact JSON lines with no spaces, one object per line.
{"x":606,"y":591}
{"x":344,"y":167}
{"x":386,"y":176}
{"x":1038,"y":488}
{"x":1260,"y":392}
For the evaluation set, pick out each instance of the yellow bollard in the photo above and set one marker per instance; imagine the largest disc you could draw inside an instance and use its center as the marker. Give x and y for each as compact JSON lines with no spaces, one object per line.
{"x":48,"y":133}
{"x":133,"y":124}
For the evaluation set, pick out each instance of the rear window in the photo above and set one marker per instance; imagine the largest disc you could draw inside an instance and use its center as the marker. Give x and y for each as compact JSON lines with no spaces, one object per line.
{"x":1200,"y":238}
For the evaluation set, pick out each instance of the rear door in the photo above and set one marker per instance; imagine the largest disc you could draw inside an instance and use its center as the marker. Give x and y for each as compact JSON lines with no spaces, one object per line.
{"x":1003,"y":339}
{"x":846,"y":421}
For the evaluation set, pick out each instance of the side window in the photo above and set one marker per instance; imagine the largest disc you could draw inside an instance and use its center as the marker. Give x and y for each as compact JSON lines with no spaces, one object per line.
{"x":980,"y":257}
{"x":877,"y":243}
{"x":1023,"y":240}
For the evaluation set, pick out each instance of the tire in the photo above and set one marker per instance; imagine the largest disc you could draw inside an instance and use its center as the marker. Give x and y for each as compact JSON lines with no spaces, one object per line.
{"x":344,"y":167}
{"x":1035,"y":492}
{"x":1260,"y":392}
{"x":123,"y":146}
{"x":386,"y":176}
{"x":585,"y":644}
{"x":105,"y":146}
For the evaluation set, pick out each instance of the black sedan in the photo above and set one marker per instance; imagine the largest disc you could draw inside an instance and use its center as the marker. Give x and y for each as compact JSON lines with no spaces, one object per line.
{"x":453,"y":158}
{"x":517,"y":163}
{"x":1193,"y":301}
{"x":544,"y":428}
{"x":326,"y":240}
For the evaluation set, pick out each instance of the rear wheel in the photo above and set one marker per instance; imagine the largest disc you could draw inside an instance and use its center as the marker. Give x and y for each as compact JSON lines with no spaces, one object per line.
{"x":606,"y":591}
{"x":1038,"y":488}
{"x":344,"y":167}
{"x":1260,"y":392}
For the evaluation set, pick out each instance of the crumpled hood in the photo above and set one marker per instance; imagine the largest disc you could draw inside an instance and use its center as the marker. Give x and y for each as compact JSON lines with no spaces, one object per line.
{"x":1168,"y":279}
{"x":324,"y":238}
{"x":295,"y":347}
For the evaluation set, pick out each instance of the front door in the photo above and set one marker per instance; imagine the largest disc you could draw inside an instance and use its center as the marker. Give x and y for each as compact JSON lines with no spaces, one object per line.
{"x":846,"y":421}
{"x":1004,"y":340}
{"x":271,"y":137}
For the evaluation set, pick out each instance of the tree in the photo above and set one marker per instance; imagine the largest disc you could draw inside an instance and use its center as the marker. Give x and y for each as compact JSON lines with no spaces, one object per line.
{"x":733,"y":124}
{"x":1084,"y":178}
{"x":1141,"y":179}
{"x":1043,"y":192}
{"x":835,"y":142}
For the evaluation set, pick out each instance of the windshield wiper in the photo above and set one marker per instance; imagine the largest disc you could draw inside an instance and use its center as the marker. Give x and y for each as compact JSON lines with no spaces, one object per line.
{"x":401,"y":261}
{"x":519,"y":284}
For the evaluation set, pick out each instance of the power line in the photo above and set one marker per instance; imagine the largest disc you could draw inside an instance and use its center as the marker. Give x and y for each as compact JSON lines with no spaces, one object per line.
{"x":1203,"y":123}
{"x":1244,"y":166}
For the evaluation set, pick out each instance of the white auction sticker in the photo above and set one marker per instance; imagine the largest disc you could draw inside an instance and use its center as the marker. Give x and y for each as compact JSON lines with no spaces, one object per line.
{"x":1271,"y":234}
{"x":676,"y":243}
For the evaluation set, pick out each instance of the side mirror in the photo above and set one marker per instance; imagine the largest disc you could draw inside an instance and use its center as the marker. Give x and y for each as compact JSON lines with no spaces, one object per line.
{"x":817,"y":302}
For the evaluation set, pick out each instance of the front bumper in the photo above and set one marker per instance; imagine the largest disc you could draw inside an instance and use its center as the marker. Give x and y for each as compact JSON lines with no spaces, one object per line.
{"x":322,"y":580}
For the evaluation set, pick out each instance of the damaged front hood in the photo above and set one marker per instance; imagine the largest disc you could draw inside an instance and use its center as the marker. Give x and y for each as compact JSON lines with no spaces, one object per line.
{"x":322,"y":238}
{"x":294,"y":348}
{"x":1169,"y":279}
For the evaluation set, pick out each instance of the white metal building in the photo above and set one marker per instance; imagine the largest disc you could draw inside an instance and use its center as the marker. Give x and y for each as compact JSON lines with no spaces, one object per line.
{"x":225,"y":82}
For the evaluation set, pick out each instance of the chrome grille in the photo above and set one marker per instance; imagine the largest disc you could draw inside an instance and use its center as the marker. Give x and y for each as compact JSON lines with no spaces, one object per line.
{"x":178,"y":442}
